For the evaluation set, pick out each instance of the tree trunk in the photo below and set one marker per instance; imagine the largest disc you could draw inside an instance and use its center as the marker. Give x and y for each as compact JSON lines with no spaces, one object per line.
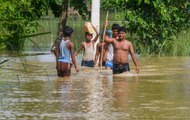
{"x":95,"y":17}
{"x":63,"y":17}
{"x":61,"y":24}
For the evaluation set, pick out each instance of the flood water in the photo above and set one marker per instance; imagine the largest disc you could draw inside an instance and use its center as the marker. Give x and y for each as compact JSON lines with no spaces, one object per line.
{"x":30,"y":89}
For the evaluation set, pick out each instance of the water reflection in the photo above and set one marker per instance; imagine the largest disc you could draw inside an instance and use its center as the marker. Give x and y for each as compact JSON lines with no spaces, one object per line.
{"x":123,"y":89}
{"x":161,"y":91}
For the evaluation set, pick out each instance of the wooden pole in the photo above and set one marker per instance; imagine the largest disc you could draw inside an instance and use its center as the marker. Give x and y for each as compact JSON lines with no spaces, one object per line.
{"x":103,"y":37}
{"x":95,"y":18}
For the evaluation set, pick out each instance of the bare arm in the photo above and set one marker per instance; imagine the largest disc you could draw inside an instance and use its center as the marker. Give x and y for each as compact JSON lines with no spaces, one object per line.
{"x":104,"y":36}
{"x":108,"y":40}
{"x":56,"y":52}
{"x":97,"y":54}
{"x":134,"y":58}
{"x":73,"y":57}
{"x":97,"y":35}
{"x":80,"y":48}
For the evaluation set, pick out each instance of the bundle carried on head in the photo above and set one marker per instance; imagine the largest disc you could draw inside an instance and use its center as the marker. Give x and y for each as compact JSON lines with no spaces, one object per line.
{"x":88,"y":28}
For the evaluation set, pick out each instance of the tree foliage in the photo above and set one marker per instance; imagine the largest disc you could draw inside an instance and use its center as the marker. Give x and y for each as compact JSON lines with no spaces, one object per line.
{"x":60,"y":9}
{"x":79,"y":5}
{"x":18,"y":19}
{"x":154,"y":22}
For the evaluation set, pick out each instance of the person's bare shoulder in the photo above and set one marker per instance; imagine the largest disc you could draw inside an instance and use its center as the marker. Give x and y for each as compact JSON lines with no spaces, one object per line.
{"x":128,"y":42}
{"x":70,"y":44}
{"x":83,"y":43}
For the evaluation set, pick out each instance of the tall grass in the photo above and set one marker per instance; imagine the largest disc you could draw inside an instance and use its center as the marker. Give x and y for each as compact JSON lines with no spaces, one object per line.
{"x":181,"y":44}
{"x":176,"y":47}
{"x":45,"y":42}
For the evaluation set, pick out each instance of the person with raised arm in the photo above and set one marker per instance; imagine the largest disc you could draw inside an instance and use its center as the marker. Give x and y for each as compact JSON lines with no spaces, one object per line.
{"x":122,"y":48}
{"x":88,"y":45}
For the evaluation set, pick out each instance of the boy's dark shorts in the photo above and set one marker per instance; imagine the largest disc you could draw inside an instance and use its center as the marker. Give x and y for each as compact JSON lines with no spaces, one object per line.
{"x":64,"y":69}
{"x":103,"y":63}
{"x":120,"y":68}
{"x":87,"y":63}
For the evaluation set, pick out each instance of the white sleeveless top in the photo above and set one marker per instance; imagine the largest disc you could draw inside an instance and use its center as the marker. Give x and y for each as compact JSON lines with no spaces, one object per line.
{"x":64,"y":52}
{"x":88,"y":54}
{"x":110,"y":53}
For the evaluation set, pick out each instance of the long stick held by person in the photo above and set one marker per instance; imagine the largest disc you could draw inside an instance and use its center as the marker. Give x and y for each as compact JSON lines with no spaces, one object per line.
{"x":103,"y":37}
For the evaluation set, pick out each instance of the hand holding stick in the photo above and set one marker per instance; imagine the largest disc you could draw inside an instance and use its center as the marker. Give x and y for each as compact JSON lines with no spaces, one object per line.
{"x":103,"y":37}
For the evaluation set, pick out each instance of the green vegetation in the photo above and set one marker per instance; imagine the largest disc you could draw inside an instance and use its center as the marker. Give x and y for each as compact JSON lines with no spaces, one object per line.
{"x":44,"y":42}
{"x":18,"y":19}
{"x":152,"y":23}
{"x":155,"y":27}
{"x":180,"y":44}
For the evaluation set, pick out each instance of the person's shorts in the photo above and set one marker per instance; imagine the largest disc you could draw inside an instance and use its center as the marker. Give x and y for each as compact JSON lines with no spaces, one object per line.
{"x":103,"y":63}
{"x":109,"y":64}
{"x":87,"y":63}
{"x":63,"y":69}
{"x":120,"y":68}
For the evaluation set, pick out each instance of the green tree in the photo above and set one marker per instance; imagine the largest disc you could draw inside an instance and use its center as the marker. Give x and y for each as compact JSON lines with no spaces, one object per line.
{"x":60,"y":10}
{"x":153,"y":22}
{"x":18,"y":19}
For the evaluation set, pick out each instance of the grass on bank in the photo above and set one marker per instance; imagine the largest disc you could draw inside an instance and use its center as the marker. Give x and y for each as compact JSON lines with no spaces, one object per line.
{"x":45,"y":42}
{"x":181,"y":44}
{"x":176,"y":47}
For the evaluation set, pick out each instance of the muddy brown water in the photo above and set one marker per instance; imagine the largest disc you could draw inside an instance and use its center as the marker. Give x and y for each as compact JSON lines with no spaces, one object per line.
{"x":30,"y":89}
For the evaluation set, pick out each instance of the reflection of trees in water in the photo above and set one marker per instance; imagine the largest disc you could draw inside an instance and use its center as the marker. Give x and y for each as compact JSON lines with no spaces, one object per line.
{"x":123,"y":89}
{"x":79,"y":94}
{"x":95,"y":96}
{"x":82,"y":94}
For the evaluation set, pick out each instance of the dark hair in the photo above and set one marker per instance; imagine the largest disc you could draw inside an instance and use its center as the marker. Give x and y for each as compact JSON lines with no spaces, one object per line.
{"x":87,"y":33}
{"x":122,"y":29}
{"x":67,"y":31}
{"x":115,"y":26}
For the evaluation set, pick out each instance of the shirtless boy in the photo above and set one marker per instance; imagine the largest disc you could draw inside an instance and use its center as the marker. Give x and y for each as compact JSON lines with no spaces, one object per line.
{"x":122,"y":48}
{"x":88,"y":46}
{"x":64,"y":53}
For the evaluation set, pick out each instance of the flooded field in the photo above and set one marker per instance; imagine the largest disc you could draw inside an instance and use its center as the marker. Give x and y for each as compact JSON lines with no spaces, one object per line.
{"x":30,"y":89}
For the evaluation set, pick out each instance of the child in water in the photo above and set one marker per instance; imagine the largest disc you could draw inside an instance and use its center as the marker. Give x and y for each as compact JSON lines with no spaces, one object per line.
{"x":64,"y":53}
{"x":88,"y":46}
{"x":99,"y":47}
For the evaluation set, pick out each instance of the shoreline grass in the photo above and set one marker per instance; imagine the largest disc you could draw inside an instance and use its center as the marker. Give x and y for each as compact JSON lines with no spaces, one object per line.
{"x":176,"y":47}
{"x":180,"y":45}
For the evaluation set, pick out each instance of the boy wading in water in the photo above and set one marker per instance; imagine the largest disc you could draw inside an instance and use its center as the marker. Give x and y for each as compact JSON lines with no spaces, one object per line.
{"x":110,"y":54}
{"x":64,"y":54}
{"x":88,"y":46}
{"x":122,"y":48}
{"x":107,"y":59}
